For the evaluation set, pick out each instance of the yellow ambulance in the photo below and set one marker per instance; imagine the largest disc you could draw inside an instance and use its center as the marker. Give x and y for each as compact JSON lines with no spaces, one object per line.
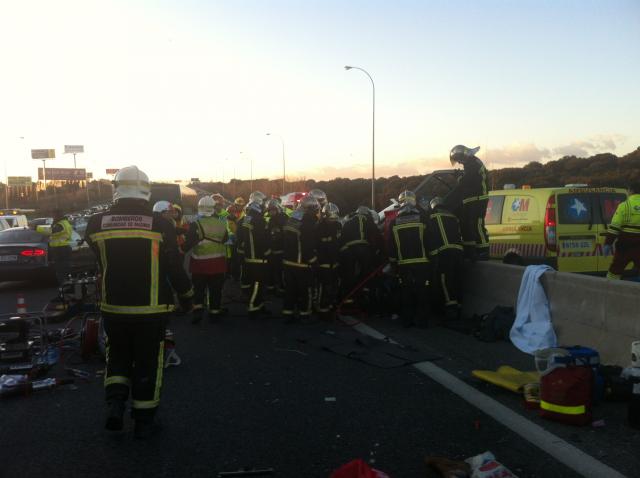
{"x":563,"y":227}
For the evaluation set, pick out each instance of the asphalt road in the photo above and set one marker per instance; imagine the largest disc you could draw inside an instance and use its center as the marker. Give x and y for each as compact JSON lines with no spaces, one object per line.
{"x":263,"y":394}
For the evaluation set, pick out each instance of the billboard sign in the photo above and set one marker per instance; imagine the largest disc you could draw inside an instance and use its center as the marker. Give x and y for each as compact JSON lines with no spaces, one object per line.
{"x":43,"y":154}
{"x":112,"y":171}
{"x":63,"y":174}
{"x":73,"y":148}
{"x":195,"y":180}
{"x":19,"y":181}
{"x":89,"y":175}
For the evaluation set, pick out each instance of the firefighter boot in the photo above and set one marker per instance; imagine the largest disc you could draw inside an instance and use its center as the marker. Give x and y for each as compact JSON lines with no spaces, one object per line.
{"x":115,"y":413}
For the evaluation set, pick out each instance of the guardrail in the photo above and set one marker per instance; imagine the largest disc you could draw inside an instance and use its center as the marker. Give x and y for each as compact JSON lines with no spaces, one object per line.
{"x":585,"y":310}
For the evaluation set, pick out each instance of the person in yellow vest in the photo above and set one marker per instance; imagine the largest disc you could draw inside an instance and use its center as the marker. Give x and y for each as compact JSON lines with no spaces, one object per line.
{"x":182,"y":226}
{"x":623,"y":237}
{"x":60,"y":245}
{"x":207,"y":239}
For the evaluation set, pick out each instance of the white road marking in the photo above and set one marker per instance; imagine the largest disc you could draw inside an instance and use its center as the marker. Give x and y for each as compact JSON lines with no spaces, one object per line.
{"x":555,"y":446}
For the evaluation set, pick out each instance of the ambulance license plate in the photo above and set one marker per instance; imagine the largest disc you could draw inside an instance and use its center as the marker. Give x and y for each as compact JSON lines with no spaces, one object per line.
{"x":577,"y":245}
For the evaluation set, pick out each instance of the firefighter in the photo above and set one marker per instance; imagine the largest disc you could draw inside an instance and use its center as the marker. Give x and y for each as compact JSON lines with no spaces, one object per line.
{"x":253,"y":240}
{"x":623,"y":238}
{"x":182,"y":226}
{"x":409,"y":255}
{"x":60,"y":246}
{"x":165,"y":210}
{"x":360,"y":242}
{"x":140,"y":253}
{"x":208,"y":264}
{"x":469,"y":201}
{"x":446,"y":254}
{"x":327,"y":235}
{"x":277,"y":221}
{"x":299,"y":259}
{"x":236,"y":213}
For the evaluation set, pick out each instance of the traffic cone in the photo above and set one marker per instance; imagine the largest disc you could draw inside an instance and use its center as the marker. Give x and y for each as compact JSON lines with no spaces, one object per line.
{"x":21,"y":306}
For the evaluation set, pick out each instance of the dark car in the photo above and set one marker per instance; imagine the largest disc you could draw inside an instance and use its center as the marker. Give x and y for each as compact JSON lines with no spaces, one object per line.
{"x":24,"y":255}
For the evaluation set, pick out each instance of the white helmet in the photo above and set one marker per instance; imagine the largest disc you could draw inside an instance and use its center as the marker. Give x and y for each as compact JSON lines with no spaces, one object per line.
{"x":257,"y":196}
{"x":162,"y":206}
{"x":331,"y":211}
{"x":131,"y":183}
{"x":407,"y":197}
{"x":319,"y":195}
{"x":206,"y":206}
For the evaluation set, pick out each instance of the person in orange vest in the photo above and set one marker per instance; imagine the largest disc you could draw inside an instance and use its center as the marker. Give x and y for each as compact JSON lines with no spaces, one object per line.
{"x":182,"y":226}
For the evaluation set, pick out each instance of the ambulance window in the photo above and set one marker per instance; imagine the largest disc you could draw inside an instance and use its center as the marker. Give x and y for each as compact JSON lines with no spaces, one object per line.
{"x":609,"y":203}
{"x":575,"y":208}
{"x":494,"y":210}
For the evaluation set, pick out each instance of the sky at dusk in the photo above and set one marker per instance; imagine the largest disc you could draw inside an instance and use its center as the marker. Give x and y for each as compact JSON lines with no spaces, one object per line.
{"x":190,"y":88}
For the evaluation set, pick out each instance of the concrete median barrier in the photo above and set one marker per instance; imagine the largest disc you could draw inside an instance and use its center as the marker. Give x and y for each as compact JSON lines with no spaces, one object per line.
{"x":585,"y":310}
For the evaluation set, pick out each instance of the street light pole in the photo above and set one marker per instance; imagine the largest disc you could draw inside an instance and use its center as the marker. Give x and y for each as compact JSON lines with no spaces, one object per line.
{"x":250,"y":172}
{"x":373,"y":136}
{"x":284,"y":171}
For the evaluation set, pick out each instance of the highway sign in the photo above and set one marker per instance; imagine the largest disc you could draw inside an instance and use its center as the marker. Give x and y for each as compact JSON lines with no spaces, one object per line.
{"x":19,"y":181}
{"x":43,"y":154}
{"x":63,"y":174}
{"x":112,"y":171}
{"x":195,"y":180}
{"x":89,"y":175}
{"x":73,"y":148}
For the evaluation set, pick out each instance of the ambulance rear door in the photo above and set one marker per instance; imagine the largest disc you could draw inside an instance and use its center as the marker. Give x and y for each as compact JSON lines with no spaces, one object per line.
{"x":577,"y":231}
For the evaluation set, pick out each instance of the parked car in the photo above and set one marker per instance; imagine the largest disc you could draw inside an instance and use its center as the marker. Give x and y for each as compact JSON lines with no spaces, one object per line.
{"x":16,"y":220}
{"x":24,"y":255}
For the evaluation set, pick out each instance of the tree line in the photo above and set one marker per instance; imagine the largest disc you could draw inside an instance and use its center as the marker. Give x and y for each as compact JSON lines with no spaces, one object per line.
{"x":599,"y":170}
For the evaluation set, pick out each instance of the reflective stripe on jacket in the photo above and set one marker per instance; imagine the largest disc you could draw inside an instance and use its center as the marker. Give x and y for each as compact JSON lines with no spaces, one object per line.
{"x":212,"y":232}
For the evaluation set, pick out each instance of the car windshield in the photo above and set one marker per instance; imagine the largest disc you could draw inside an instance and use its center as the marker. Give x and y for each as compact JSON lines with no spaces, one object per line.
{"x":20,"y":236}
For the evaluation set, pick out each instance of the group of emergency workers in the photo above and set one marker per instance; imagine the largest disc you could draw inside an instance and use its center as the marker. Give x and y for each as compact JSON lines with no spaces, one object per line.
{"x":309,"y":255}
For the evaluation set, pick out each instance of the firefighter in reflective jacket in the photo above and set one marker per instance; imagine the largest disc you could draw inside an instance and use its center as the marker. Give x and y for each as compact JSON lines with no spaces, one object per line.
{"x":446,"y":253}
{"x":360,"y":241}
{"x":328,"y":234}
{"x":469,"y":201}
{"x":277,"y":220}
{"x":624,"y":234}
{"x":409,"y":254}
{"x":139,"y":263}
{"x":253,"y":241}
{"x":208,"y":264}
{"x":299,"y":259}
{"x":60,"y":246}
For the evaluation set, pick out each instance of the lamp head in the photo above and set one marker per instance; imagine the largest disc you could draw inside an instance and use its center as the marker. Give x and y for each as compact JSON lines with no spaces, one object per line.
{"x":348,"y":67}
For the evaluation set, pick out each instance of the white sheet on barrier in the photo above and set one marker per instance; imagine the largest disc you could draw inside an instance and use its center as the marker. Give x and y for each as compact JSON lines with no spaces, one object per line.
{"x":532,"y":330}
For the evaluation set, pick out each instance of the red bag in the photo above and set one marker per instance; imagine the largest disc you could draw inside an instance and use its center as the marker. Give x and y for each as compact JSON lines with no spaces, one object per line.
{"x":566,"y":394}
{"x":357,"y":469}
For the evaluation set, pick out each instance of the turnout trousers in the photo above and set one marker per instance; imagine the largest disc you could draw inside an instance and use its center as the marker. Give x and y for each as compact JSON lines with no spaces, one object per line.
{"x":61,"y":257}
{"x":298,"y":290}
{"x":256,"y":275}
{"x":211,"y":283}
{"x":275,"y":272}
{"x":327,"y":288}
{"x":448,"y":279}
{"x":135,"y":362}
{"x":623,"y":255}
{"x":355,"y":263}
{"x":474,"y":234}
{"x":415,"y":287}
